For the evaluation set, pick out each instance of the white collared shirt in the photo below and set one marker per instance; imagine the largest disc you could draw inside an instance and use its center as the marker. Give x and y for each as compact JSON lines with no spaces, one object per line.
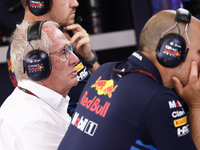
{"x":28,"y":122}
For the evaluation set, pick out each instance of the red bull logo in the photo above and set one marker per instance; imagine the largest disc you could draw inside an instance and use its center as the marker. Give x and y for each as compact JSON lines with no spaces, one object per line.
{"x":36,"y":4}
{"x":35,"y":68}
{"x":10,"y":68}
{"x":12,"y":77}
{"x":95,"y":105}
{"x":105,"y":87}
{"x":173,"y":52}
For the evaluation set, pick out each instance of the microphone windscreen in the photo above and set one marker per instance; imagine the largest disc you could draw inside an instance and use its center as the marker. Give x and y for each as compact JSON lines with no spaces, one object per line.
{"x":79,"y":20}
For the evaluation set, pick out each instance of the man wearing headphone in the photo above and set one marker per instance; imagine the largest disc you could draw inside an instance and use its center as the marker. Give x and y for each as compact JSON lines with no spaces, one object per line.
{"x":63,"y":12}
{"x":34,"y":116}
{"x":129,"y":105}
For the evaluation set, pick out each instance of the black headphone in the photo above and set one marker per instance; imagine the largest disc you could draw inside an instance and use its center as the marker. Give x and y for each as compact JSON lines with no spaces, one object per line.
{"x":39,"y":7}
{"x":37,"y":63}
{"x":171,"y":49}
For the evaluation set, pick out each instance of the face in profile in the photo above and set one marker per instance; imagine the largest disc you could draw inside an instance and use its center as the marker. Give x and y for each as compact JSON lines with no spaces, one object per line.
{"x":63,"y":73}
{"x":63,"y":11}
{"x":183,"y":70}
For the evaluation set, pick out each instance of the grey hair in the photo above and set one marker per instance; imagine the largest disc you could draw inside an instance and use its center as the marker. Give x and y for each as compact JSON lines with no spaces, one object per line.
{"x":20,"y":46}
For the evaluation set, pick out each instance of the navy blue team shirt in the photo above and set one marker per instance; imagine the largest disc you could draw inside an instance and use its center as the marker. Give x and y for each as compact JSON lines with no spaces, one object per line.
{"x":130,"y":112}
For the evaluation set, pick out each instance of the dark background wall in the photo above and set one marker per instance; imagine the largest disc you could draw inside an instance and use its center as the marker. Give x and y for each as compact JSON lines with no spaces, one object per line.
{"x":7,"y":25}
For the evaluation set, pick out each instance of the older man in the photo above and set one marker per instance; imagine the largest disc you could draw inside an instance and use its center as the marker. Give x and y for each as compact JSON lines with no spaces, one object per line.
{"x":63,"y":12}
{"x":35,"y":115}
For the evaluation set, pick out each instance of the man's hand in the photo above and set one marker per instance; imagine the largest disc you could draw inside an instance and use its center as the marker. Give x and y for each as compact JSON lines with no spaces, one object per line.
{"x":191,"y":92}
{"x":81,"y":42}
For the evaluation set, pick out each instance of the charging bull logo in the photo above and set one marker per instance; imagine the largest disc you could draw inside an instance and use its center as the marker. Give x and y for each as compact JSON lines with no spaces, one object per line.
{"x":12,"y":76}
{"x":104,"y":87}
{"x":35,"y":67}
{"x":172,"y":51}
{"x":10,"y":68}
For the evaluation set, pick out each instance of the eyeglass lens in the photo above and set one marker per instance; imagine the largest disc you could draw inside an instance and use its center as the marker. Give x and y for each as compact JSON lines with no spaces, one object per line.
{"x":67,"y":49}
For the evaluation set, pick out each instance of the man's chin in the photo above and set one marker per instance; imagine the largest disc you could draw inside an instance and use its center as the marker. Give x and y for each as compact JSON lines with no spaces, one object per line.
{"x":76,"y":82}
{"x":71,"y":22}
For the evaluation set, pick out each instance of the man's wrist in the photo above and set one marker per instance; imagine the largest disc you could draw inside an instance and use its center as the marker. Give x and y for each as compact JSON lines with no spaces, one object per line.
{"x":89,"y":64}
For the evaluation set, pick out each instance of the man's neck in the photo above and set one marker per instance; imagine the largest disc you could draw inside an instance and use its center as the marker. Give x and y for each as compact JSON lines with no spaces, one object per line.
{"x":165,"y":73}
{"x":31,"y":17}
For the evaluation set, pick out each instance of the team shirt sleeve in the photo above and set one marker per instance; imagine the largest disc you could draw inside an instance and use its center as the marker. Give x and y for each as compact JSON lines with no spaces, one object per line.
{"x":167,"y":123}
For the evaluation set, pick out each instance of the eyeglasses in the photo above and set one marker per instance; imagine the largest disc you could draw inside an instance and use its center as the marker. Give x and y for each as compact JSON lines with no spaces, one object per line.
{"x":65,"y":50}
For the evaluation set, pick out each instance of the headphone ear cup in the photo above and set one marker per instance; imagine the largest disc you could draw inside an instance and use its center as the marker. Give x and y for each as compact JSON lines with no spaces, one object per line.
{"x":37,"y":65}
{"x":170,"y":50}
{"x":39,"y":7}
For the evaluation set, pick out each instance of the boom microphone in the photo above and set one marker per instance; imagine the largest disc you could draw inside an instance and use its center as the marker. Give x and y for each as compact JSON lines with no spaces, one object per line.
{"x":79,"y":20}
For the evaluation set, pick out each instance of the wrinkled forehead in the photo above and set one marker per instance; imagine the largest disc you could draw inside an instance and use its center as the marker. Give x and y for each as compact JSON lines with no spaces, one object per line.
{"x":58,"y":38}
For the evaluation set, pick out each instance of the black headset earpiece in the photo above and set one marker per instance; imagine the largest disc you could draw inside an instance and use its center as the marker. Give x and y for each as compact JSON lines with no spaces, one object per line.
{"x":39,"y":7}
{"x":37,"y":63}
{"x":171,"y":49}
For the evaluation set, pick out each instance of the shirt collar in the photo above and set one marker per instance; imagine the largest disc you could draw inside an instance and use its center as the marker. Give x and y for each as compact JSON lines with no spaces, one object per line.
{"x":49,"y":96}
{"x":145,"y":64}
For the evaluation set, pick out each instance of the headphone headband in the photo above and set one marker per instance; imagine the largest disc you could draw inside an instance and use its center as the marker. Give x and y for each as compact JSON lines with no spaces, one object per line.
{"x":171,"y":49}
{"x":183,"y":15}
{"x":34,"y":30}
{"x":37,"y":63}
